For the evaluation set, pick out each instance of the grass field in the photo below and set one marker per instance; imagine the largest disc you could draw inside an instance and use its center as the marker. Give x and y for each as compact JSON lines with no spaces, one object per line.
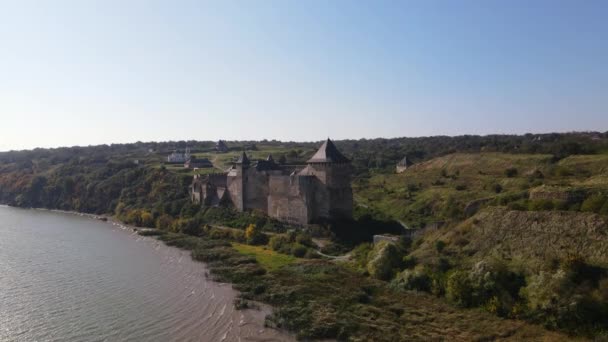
{"x":266,"y":257}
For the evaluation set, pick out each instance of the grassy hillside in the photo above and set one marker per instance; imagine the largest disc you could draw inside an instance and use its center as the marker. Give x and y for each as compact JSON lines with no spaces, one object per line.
{"x":522,"y":235}
{"x":530,"y":239}
{"x":440,"y":189}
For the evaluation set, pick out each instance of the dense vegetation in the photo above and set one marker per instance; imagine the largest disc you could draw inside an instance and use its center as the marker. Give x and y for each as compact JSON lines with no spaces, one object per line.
{"x":512,"y":226}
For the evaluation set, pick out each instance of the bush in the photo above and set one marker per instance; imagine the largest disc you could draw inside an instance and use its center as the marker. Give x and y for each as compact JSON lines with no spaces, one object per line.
{"x":304,"y":239}
{"x":409,"y":262}
{"x":593,"y":203}
{"x":497,"y":188}
{"x":459,"y":289}
{"x":164,"y":222}
{"x":277,"y":242}
{"x":604,"y":210}
{"x":416,"y":279}
{"x":360,"y":254}
{"x":186,"y":226}
{"x":298,"y":250}
{"x":461,"y":187}
{"x":383,"y":259}
{"x":519,"y":205}
{"x":439,"y":245}
{"x":541,"y":204}
{"x":254,"y":235}
{"x":511,"y":172}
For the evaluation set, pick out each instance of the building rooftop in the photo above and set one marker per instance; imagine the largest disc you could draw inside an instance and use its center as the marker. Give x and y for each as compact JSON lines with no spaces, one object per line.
{"x":328,"y":153}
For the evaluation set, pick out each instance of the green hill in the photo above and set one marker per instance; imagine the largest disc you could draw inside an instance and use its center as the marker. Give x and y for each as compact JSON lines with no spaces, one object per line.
{"x":441,"y":188}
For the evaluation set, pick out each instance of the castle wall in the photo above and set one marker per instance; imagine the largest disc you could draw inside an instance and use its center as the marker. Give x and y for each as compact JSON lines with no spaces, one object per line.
{"x":289,"y":198}
{"x":234,"y":182}
{"x":256,"y":190}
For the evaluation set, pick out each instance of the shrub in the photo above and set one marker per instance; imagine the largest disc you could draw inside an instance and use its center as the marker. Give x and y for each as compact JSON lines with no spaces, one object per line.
{"x":561,"y":205}
{"x":540,"y":204}
{"x":361,"y":254}
{"x":238,"y":235}
{"x":439,"y":245}
{"x":383,"y":258}
{"x":298,"y":250}
{"x":497,"y":188}
{"x":561,"y":171}
{"x":412,"y":187}
{"x":537,"y":174}
{"x":146,"y":219}
{"x":304,"y":239}
{"x":416,"y":279}
{"x":544,"y":289}
{"x":519,"y":205}
{"x":277,"y":242}
{"x":511,"y":172}
{"x":494,"y":286}
{"x":164,"y":222}
{"x":186,"y":226}
{"x":593,"y":203}
{"x":409,"y":262}
{"x":459,"y":289}
{"x":254,"y":236}
{"x":604,"y":210}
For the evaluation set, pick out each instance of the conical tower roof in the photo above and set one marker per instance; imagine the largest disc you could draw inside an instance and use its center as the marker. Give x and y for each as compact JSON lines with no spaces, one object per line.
{"x":328,"y":153}
{"x":243,"y":159}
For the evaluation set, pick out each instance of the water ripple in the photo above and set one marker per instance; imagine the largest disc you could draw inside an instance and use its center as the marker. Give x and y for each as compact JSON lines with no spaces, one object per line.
{"x":70,"y":278}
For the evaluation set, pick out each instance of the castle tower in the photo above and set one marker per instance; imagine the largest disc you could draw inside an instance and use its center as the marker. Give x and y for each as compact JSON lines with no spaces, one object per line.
{"x":236,"y":181}
{"x":333,"y":196}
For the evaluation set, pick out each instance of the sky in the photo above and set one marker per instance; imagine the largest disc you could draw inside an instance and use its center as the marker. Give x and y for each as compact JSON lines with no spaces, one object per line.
{"x":87,"y":72}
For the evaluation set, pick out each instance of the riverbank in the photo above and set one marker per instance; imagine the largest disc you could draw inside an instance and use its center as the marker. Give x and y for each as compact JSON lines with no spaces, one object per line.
{"x":322,"y":299}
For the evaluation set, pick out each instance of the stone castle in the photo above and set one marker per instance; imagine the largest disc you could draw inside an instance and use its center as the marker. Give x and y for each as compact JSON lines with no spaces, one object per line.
{"x":300,"y":195}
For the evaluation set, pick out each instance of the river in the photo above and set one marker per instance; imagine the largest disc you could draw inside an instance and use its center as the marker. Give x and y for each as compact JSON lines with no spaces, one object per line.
{"x":65,"y":277}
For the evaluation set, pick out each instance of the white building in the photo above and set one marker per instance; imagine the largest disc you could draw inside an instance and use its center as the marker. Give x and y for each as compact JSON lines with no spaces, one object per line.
{"x":177,"y":157}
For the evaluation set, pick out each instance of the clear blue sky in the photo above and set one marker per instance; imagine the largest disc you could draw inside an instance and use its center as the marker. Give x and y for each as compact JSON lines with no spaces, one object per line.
{"x":89,"y":72}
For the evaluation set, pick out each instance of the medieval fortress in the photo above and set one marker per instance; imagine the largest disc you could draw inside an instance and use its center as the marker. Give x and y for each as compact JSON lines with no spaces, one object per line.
{"x":300,"y":195}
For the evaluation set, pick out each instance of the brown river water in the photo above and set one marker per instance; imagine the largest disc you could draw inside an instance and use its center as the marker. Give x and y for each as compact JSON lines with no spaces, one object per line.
{"x":65,"y":277}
